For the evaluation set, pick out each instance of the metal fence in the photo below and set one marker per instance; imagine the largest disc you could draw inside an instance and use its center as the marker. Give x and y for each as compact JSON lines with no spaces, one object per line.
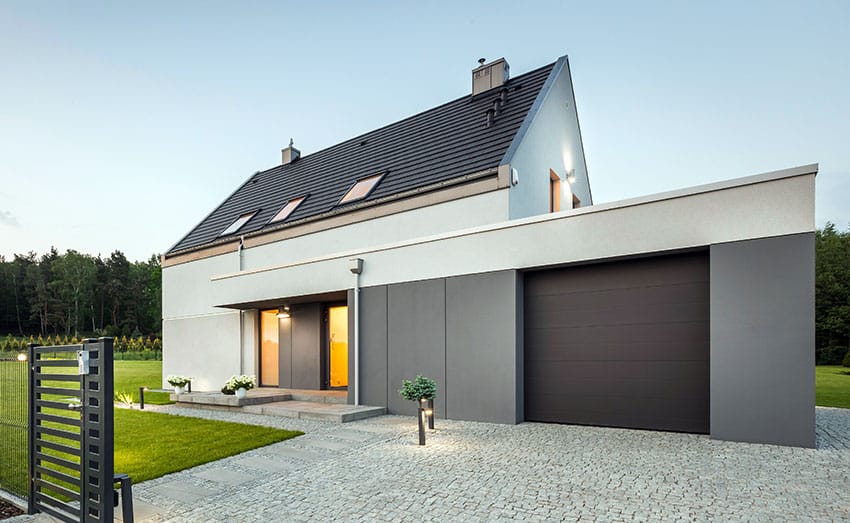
{"x":13,"y":424}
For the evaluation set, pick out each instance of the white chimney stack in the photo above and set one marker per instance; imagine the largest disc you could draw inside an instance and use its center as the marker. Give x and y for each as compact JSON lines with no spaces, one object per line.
{"x":490,"y":76}
{"x":290,"y":154}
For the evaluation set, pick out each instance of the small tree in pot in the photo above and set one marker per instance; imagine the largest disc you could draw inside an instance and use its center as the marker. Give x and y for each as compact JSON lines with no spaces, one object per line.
{"x":421,"y":390}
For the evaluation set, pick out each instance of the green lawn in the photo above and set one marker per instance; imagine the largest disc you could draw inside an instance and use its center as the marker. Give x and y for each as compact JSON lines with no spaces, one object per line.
{"x":833,"y":386}
{"x":147,"y":444}
{"x":130,"y":375}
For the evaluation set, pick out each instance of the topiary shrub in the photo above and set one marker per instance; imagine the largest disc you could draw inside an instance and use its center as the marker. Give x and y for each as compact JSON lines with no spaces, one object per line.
{"x":846,"y":360}
{"x":421,"y":388}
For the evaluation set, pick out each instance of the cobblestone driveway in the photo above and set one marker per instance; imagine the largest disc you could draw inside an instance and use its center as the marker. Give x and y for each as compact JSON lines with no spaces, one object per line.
{"x":373,"y":470}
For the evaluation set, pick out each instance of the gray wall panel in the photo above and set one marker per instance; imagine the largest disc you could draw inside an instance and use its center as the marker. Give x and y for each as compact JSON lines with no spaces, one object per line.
{"x":762,"y":341}
{"x":285,"y":353}
{"x":373,"y":346}
{"x":306,"y":346}
{"x":416,"y":342}
{"x":481,"y":368}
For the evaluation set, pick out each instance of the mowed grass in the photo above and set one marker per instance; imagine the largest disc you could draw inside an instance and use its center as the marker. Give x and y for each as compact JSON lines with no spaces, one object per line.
{"x":149,"y":445}
{"x":130,"y":375}
{"x":832,"y":387}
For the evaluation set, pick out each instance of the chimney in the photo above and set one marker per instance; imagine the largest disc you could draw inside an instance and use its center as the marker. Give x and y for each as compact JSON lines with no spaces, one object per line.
{"x":489,"y":76}
{"x":290,"y":154}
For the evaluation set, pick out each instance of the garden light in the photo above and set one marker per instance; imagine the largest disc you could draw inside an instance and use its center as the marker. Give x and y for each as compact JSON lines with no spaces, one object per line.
{"x":22,"y":357}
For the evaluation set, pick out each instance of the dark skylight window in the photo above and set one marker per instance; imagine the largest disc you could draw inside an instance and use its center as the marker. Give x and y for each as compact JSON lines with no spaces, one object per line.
{"x":287,"y":209}
{"x":361,"y":189}
{"x":235,"y":226}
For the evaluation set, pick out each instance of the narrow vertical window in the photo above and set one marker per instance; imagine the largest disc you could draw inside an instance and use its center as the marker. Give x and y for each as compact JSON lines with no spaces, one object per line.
{"x":554,"y":191}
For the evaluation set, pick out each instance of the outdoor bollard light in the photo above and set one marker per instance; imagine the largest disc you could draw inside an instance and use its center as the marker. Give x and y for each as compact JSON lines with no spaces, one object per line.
{"x":22,"y":357}
{"x":142,"y":397}
{"x":421,"y":417}
{"x":431,"y":414}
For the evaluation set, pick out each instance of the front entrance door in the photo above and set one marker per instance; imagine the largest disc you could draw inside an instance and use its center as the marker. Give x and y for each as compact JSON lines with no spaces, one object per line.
{"x":269,"y":356}
{"x":338,"y":346}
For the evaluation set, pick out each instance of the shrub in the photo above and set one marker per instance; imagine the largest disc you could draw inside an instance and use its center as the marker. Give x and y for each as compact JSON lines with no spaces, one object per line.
{"x":831,"y":355}
{"x":418,"y":389}
{"x":846,"y":360}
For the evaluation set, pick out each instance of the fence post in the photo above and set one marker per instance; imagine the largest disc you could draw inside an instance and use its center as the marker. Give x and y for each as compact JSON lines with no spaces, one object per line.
{"x":31,"y":409}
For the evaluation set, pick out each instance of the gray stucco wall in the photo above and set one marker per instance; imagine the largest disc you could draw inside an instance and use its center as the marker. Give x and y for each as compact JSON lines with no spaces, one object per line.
{"x":416,"y":340}
{"x":481,"y":334}
{"x":460,"y":331}
{"x":762,"y":340}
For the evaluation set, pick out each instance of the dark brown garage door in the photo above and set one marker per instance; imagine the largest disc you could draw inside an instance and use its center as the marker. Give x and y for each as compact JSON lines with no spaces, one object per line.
{"x":621,"y":344}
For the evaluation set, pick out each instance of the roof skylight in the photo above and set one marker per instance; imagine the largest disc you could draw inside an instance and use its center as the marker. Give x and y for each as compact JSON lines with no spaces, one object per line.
{"x":287,"y":209}
{"x":361,"y":189}
{"x":236,"y":225}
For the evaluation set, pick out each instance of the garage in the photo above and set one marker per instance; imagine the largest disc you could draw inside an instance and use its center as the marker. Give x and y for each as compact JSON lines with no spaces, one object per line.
{"x":619,"y":344}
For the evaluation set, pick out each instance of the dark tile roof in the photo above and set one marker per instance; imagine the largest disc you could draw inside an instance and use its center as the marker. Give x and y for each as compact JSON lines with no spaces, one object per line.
{"x":440,"y":144}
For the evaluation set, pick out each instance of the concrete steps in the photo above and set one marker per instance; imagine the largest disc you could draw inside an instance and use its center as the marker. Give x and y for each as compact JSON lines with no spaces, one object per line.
{"x":328,"y":405}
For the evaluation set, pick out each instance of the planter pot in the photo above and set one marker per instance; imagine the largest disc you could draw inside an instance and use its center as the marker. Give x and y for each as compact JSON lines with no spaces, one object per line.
{"x":179,"y":390}
{"x":241,"y":393}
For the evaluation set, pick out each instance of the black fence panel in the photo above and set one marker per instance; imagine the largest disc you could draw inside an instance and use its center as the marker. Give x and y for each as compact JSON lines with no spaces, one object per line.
{"x":13,"y":424}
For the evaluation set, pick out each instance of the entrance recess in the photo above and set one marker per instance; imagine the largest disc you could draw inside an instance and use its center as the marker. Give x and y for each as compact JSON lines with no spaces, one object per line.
{"x":338,"y":346}
{"x":269,"y":355}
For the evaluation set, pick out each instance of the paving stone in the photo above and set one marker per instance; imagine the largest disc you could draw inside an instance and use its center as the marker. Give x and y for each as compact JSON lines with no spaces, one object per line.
{"x":183,"y":491}
{"x":225,"y":476}
{"x":529,"y":472}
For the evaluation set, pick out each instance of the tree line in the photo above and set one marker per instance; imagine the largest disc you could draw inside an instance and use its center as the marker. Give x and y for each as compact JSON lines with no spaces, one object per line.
{"x":75,"y":294}
{"x":832,"y":294}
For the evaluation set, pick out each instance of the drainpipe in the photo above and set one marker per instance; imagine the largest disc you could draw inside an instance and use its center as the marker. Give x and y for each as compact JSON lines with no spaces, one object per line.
{"x":356,"y":268}
{"x":241,"y":317}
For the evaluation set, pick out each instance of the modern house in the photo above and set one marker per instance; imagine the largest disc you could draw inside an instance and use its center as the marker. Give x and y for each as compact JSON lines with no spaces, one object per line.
{"x":463,"y":244}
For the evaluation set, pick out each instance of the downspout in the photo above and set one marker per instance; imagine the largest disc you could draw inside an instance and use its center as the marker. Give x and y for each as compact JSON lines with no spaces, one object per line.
{"x":241,"y":317}
{"x":356,"y":268}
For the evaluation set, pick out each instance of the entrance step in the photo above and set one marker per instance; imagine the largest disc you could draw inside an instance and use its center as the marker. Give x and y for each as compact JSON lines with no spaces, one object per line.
{"x":312,"y":410}
{"x":261,"y":396}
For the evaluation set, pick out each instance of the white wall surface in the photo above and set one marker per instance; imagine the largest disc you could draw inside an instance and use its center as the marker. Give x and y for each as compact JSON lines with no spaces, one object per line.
{"x":767,"y":205}
{"x":552,"y":141}
{"x":204,"y":347}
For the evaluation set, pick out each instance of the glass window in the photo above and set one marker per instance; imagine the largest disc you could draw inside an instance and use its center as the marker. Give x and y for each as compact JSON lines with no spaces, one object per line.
{"x":235,"y":226}
{"x":361,"y":189}
{"x":287,"y":209}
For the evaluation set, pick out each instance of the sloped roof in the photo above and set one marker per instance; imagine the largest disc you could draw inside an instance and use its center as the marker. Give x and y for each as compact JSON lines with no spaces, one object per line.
{"x":440,"y":144}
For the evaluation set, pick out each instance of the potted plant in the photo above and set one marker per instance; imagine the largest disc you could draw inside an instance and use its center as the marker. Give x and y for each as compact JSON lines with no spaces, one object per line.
{"x":240,"y":385}
{"x":421,"y":390}
{"x":178,"y":382}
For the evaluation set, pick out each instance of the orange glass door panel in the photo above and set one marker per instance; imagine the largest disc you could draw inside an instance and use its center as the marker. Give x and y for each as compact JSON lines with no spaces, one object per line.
{"x":269,"y":355}
{"x":338,"y":336}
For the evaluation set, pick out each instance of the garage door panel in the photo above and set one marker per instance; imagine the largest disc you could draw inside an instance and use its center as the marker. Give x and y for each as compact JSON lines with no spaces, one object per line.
{"x":622,"y":344}
{"x":645,"y":272}
{"x":620,"y":351}
{"x":641,"y":413}
{"x":569,"y":337}
{"x":685,"y":294}
{"x":568,"y":372}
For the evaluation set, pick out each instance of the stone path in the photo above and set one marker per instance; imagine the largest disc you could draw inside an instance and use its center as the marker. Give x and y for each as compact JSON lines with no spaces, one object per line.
{"x":372,"y":470}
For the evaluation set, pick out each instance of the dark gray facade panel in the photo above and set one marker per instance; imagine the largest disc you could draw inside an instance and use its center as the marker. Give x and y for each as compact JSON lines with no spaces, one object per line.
{"x":306,"y":324}
{"x":622,"y":344}
{"x":351,"y":368}
{"x":285,"y":354}
{"x":373,"y":346}
{"x":481,"y":347}
{"x":519,"y":340}
{"x":416,"y":341}
{"x":762,"y":340}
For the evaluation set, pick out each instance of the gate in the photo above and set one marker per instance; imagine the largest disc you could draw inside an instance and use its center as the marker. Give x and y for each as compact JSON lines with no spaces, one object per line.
{"x":71,"y":431}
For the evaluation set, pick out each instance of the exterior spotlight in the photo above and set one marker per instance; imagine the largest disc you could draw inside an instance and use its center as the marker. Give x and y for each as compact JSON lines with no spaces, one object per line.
{"x":283,"y":312}
{"x":22,"y":357}
{"x":571,"y":176}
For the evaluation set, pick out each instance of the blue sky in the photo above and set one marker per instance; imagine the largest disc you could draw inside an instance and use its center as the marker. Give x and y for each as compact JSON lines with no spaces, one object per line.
{"x":122,"y":125}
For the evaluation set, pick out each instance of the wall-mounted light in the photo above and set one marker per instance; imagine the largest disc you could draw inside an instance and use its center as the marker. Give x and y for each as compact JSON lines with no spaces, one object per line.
{"x":571,"y":176}
{"x":514,"y":176}
{"x":283,"y":312}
